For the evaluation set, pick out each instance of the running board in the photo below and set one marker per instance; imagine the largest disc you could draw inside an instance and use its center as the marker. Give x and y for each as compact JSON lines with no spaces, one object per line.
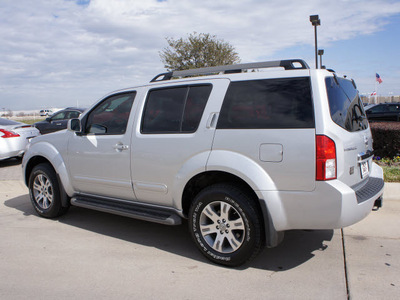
{"x":131,"y":210}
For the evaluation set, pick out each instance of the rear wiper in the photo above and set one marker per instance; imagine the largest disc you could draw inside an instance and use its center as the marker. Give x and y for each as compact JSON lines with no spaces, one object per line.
{"x":335,"y":78}
{"x":354,"y":83}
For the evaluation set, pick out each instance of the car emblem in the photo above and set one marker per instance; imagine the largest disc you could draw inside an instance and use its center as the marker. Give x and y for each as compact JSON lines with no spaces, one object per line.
{"x":366,"y":141}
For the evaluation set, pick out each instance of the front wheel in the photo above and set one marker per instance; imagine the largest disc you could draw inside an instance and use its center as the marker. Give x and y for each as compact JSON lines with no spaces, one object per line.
{"x":45,"y":192}
{"x":226,"y":225}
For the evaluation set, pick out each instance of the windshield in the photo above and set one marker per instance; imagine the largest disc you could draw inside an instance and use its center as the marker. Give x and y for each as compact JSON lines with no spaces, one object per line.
{"x":345,"y":105}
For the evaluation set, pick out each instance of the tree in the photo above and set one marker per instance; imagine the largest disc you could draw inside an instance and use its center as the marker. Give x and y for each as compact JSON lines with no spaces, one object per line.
{"x":197,"y":51}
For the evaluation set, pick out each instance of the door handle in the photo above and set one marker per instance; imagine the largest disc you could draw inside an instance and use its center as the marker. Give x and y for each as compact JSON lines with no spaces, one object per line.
{"x":120,"y":147}
{"x":211,"y":122}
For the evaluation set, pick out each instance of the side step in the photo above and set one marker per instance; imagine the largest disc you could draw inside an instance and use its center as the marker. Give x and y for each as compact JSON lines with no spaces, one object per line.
{"x":131,"y":210}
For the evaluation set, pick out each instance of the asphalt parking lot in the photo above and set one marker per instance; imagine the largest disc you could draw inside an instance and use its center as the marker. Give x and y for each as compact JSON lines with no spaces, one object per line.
{"x":91,"y":255}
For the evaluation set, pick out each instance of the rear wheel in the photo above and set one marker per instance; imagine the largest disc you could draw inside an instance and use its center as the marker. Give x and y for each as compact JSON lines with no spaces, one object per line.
{"x":226,"y":225}
{"x":45,"y":192}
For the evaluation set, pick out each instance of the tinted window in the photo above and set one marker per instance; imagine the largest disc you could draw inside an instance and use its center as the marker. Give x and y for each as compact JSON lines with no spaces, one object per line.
{"x":73,"y":114}
{"x":377,"y":109}
{"x":271,"y":103}
{"x":393,"y":108}
{"x":59,"y":116}
{"x":110,"y":116}
{"x":175,"y":110}
{"x":345,"y":105}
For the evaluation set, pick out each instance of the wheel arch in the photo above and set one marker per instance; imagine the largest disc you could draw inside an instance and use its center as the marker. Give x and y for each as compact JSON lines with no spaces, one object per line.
{"x":33,"y":162}
{"x":208,"y":178}
{"x":47,"y":153}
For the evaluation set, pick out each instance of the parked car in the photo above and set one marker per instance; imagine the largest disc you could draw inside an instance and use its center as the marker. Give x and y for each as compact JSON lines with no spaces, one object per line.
{"x":59,"y":120}
{"x":45,"y":112}
{"x":244,"y":156}
{"x":384,"y":112}
{"x":14,"y":136}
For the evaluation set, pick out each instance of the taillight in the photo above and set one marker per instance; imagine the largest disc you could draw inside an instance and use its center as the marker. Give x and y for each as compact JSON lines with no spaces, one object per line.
{"x":8,"y":134}
{"x":326,"y":158}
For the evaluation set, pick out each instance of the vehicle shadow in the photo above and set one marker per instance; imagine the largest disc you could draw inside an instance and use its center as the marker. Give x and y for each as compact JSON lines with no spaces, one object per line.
{"x":10,"y":162}
{"x":297,"y":247}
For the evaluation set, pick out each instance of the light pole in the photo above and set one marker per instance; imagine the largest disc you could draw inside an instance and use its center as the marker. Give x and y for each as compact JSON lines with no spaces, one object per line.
{"x":315,"y":21}
{"x":320,"y":53}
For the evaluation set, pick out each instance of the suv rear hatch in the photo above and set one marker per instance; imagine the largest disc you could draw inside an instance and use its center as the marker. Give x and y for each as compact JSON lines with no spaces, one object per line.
{"x":355,"y":140}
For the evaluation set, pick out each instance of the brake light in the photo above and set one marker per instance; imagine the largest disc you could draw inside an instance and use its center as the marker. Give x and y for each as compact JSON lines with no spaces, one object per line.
{"x":325,"y":158}
{"x":8,"y":134}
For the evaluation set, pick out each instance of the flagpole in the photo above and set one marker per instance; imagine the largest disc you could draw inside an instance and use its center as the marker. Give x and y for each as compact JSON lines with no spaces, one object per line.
{"x":376,"y":90}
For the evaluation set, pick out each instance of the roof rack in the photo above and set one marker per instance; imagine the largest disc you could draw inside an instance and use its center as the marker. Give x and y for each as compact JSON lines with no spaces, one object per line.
{"x":288,"y":64}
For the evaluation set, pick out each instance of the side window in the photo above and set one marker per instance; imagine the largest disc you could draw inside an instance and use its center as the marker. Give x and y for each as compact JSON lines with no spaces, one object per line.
{"x":345,"y":105}
{"x":377,"y":109}
{"x":393,"y":108}
{"x":175,"y":110}
{"x":58,"y":116}
{"x":111,"y":115}
{"x":266,"y":104}
{"x":73,"y":114}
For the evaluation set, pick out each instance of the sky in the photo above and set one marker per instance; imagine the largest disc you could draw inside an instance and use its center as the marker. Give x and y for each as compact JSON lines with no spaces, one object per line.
{"x":59,"y":53}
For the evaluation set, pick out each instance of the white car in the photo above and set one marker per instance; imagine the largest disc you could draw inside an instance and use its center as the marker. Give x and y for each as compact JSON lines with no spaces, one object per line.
{"x":45,"y":112}
{"x":14,"y":136}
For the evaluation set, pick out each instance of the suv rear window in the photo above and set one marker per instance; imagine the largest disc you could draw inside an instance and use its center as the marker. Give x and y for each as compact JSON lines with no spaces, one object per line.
{"x":268,"y":103}
{"x":345,"y":105}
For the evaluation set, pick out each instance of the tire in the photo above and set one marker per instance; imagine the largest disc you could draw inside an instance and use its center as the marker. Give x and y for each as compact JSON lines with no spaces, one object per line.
{"x":45,"y":192}
{"x":226,"y":225}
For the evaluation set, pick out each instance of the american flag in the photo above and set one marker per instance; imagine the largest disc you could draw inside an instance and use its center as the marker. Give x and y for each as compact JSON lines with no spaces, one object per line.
{"x":378,"y":78}
{"x":373,"y":93}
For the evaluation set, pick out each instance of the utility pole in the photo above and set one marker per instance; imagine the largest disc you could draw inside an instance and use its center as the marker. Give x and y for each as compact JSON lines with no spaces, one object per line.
{"x":315,"y":21}
{"x":320,"y":53}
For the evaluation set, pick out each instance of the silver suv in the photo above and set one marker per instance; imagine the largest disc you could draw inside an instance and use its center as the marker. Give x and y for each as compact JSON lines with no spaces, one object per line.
{"x":244,"y":152}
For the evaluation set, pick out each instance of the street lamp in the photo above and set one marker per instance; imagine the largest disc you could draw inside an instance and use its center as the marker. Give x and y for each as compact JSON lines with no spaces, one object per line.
{"x":320,"y":53}
{"x":315,"y":21}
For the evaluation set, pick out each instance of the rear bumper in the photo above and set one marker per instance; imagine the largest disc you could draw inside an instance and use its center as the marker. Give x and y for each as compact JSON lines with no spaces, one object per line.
{"x":332,"y":204}
{"x":368,"y":189}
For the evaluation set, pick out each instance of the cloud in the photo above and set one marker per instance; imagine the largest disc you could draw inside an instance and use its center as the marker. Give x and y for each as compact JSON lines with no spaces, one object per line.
{"x":67,"y":51}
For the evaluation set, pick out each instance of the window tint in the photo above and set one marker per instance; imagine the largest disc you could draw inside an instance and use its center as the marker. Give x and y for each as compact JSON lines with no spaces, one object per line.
{"x":73,"y":114}
{"x":270,"y":103}
{"x":393,"y":107}
{"x":345,"y":105}
{"x":175,"y":110}
{"x":377,"y":109}
{"x":59,"y":116}
{"x":66,"y":115}
{"x":111,"y":116}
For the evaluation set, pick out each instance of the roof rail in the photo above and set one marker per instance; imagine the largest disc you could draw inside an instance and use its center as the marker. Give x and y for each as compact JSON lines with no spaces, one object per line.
{"x":289,"y":64}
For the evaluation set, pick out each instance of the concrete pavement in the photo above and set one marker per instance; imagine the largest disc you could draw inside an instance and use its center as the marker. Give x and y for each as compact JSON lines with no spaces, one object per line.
{"x":93,"y":255}
{"x":372,"y":249}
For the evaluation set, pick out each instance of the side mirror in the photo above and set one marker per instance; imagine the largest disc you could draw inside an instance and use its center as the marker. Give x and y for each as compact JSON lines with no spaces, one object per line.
{"x":48,"y":119}
{"x":74,"y":125}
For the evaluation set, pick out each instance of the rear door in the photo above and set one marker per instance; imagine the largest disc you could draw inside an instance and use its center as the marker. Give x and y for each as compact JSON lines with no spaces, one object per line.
{"x":173,"y":140}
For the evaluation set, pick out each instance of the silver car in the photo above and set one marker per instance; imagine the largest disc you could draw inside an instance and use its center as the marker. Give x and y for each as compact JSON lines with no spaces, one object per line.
{"x":14,"y":136}
{"x":243,"y":156}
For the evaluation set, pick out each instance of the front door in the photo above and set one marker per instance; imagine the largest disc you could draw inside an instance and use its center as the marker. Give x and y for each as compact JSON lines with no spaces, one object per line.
{"x":99,"y":156}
